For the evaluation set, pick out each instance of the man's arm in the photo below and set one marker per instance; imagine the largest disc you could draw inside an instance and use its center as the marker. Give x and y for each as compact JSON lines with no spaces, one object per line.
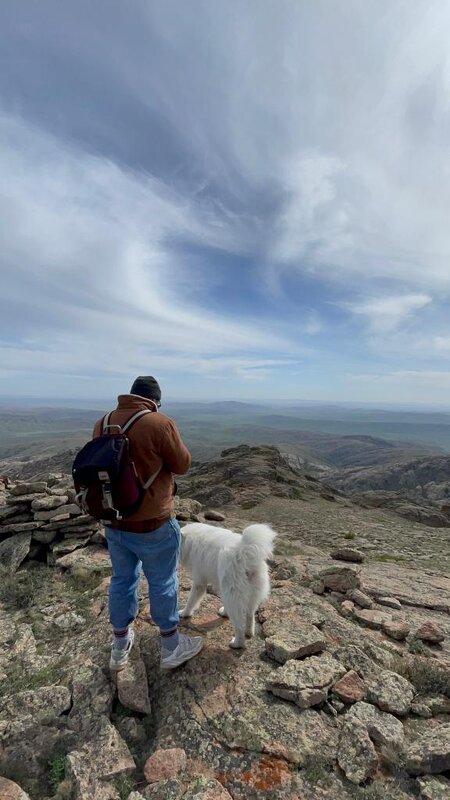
{"x":174,"y":452}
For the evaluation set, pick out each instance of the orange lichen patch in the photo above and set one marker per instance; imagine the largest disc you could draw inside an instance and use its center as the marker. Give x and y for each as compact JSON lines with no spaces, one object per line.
{"x":264,"y":776}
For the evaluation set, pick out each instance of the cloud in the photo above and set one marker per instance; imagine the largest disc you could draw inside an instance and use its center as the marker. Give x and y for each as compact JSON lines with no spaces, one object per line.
{"x":300,"y":150}
{"x":425,"y":379}
{"x":385,"y":314}
{"x":91,"y":279}
{"x":442,"y":343}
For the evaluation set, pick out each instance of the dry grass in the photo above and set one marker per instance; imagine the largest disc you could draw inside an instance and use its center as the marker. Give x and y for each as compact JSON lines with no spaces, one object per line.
{"x":426,"y":675}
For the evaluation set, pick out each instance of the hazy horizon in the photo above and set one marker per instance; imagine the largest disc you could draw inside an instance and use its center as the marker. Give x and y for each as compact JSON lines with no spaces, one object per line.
{"x":249,"y":201}
{"x":43,"y":401}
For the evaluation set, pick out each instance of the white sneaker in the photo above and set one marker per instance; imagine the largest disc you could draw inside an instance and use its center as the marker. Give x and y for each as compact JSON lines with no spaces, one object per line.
{"x":187,"y":648}
{"x":119,"y":658}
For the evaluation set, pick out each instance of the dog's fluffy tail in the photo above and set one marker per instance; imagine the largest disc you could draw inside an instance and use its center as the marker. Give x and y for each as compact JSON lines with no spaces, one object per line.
{"x":256,"y":545}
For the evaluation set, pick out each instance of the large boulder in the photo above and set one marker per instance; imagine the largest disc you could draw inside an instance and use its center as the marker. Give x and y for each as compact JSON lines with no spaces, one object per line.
{"x":356,"y":753}
{"x":304,"y":640}
{"x":383,"y":728}
{"x":307,"y":682}
{"x":430,"y":752}
{"x":339,"y":579}
{"x":15,"y":550}
{"x":391,"y":692}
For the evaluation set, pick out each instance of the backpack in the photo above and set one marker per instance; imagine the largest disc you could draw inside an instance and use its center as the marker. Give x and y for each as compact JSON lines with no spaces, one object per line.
{"x":105,"y":478}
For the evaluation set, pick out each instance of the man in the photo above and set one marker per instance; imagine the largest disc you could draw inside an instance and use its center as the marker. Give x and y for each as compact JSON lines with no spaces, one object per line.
{"x":149,"y":539}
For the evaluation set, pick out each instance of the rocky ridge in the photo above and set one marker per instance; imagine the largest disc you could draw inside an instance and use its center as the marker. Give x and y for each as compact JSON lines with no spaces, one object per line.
{"x":343,"y":693}
{"x":423,"y":481}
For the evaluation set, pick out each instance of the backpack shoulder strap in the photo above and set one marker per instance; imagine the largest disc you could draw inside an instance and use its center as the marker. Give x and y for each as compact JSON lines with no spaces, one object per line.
{"x":126,"y":428}
{"x":152,"y":478}
{"x":128,"y":425}
{"x":104,"y":423}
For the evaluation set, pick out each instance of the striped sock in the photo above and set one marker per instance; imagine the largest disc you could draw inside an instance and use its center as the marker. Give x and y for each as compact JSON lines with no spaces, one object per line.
{"x":170,"y":639}
{"x":121,"y":638}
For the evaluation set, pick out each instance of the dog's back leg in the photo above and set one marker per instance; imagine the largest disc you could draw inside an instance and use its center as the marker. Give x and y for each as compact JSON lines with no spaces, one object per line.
{"x":250,"y":624}
{"x":259,"y":591}
{"x":235,"y":606}
{"x":195,"y":598}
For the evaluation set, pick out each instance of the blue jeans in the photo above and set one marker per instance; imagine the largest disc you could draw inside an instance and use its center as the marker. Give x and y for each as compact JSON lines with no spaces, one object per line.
{"x":157,"y":554}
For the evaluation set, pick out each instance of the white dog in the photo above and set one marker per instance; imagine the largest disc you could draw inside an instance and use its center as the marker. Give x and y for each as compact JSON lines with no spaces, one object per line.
{"x":234,"y":565}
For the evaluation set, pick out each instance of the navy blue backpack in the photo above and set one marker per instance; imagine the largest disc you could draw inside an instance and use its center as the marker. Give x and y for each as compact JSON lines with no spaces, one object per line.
{"x":107,"y":484}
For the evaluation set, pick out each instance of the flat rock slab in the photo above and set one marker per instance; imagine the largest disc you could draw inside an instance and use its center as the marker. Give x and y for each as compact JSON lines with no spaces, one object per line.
{"x":274,"y":728}
{"x":390,"y":602}
{"x":305,"y":683}
{"x":303,"y":641}
{"x":429,"y":633}
{"x":372,"y":618}
{"x":353,"y":658}
{"x":104,"y":757}
{"x":396,"y":630}
{"x":34,"y":487}
{"x":72,"y":509}
{"x":356,"y":753}
{"x":69,"y":545}
{"x":91,"y":558}
{"x":48,"y":502}
{"x":11,"y":511}
{"x":26,"y":499}
{"x":360,"y":598}
{"x":391,"y":692}
{"x":132,"y":685}
{"x":383,"y":728}
{"x":38,"y":706}
{"x":348,"y":554}
{"x":430,"y":752}
{"x":292,"y":618}
{"x":414,"y":587}
{"x":14,"y":550}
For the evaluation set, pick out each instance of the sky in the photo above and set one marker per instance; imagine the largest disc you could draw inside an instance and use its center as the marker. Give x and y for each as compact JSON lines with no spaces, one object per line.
{"x":248,"y":199}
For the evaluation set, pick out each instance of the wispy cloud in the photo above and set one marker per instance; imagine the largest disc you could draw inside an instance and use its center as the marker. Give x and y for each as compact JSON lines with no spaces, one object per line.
{"x":385,"y":314}
{"x":203,"y":193}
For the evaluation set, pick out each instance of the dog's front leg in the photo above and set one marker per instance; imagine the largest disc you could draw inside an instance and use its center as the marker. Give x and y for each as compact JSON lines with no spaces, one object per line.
{"x":195,"y":598}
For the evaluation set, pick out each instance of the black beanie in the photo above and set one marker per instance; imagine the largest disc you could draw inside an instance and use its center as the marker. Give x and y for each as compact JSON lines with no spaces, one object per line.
{"x":146,"y":386}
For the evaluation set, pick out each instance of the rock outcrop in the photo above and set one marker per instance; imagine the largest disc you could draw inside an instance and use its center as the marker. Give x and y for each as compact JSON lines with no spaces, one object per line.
{"x":344,"y":687}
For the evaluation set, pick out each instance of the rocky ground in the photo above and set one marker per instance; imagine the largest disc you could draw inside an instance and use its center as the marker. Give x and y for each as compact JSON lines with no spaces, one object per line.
{"x":343,"y":693}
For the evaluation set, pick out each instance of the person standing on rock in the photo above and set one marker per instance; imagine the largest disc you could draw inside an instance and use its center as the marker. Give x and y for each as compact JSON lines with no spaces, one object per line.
{"x":149,"y":539}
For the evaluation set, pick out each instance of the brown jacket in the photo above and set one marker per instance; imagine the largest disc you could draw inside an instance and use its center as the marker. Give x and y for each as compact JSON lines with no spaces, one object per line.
{"x":154,"y":440}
